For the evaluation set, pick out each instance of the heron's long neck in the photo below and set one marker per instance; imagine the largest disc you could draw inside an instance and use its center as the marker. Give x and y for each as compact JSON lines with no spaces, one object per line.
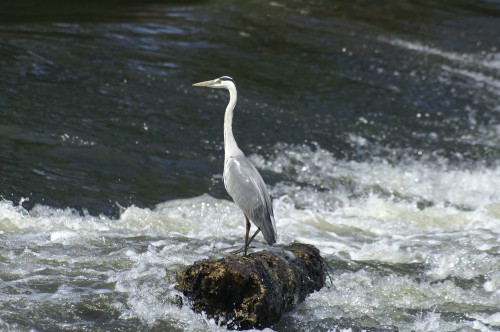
{"x":230,"y":146}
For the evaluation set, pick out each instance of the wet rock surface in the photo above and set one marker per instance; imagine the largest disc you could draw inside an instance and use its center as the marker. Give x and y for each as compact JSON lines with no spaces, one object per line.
{"x":253,"y":291}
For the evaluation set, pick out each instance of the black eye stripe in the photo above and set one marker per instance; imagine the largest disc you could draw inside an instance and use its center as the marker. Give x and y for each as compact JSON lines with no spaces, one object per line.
{"x":226,"y":78}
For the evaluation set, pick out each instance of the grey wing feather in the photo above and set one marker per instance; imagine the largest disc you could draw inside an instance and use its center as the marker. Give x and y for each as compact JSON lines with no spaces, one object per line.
{"x":245,"y":185}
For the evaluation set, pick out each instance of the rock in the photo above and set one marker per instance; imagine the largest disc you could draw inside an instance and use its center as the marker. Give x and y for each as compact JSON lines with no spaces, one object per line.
{"x":253,"y":291}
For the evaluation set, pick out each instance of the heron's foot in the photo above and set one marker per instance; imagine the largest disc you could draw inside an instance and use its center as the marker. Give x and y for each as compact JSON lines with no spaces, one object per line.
{"x":242,"y":249}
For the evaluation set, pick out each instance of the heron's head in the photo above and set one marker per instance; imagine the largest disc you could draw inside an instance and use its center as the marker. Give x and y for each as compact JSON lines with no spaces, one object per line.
{"x":224,"y":82}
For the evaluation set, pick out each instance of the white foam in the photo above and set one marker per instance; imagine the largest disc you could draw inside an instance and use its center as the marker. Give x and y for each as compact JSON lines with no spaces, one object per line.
{"x":149,"y":292}
{"x":197,"y":217}
{"x":477,"y":77}
{"x":432,"y":321}
{"x":492,"y":320}
{"x":64,"y":236}
{"x":363,"y":210}
{"x":492,"y":62}
{"x":387,"y":299}
{"x":435,"y":182}
{"x":377,"y":215}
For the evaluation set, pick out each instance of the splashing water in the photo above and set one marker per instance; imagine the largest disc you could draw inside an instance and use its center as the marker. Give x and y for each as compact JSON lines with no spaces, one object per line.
{"x":396,"y":263}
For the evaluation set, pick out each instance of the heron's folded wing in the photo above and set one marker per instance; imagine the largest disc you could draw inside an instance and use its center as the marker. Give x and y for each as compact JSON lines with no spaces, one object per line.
{"x":245,"y":185}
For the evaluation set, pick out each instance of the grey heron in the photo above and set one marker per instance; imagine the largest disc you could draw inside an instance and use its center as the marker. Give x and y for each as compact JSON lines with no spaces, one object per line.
{"x":241,"y":179}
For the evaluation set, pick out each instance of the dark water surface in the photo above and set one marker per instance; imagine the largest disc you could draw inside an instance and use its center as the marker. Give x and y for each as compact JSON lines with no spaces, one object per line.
{"x":97,"y":105}
{"x":362,"y":111}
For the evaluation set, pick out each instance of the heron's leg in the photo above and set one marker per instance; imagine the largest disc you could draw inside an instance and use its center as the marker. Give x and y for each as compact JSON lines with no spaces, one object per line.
{"x":253,"y":236}
{"x":246,"y":235}
{"x":246,"y":244}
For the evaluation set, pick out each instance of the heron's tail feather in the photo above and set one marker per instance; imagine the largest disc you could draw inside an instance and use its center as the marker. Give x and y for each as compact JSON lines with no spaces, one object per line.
{"x":268,"y":229}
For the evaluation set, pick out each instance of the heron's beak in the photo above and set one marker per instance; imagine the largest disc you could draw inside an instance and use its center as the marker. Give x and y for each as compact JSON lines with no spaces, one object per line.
{"x":206,"y":83}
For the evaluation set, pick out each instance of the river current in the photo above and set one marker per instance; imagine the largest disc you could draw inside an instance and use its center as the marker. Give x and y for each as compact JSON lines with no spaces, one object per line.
{"x":376,"y":126}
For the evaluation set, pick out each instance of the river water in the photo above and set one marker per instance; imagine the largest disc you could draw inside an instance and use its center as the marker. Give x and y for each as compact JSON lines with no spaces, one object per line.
{"x":376,"y":126}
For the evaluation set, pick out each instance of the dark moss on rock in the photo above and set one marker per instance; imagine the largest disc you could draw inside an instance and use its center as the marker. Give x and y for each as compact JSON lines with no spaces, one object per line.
{"x":253,"y":291}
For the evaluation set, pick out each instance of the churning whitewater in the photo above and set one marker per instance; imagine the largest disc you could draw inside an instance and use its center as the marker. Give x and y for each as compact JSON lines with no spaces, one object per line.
{"x":406,"y":253}
{"x":376,"y":127}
